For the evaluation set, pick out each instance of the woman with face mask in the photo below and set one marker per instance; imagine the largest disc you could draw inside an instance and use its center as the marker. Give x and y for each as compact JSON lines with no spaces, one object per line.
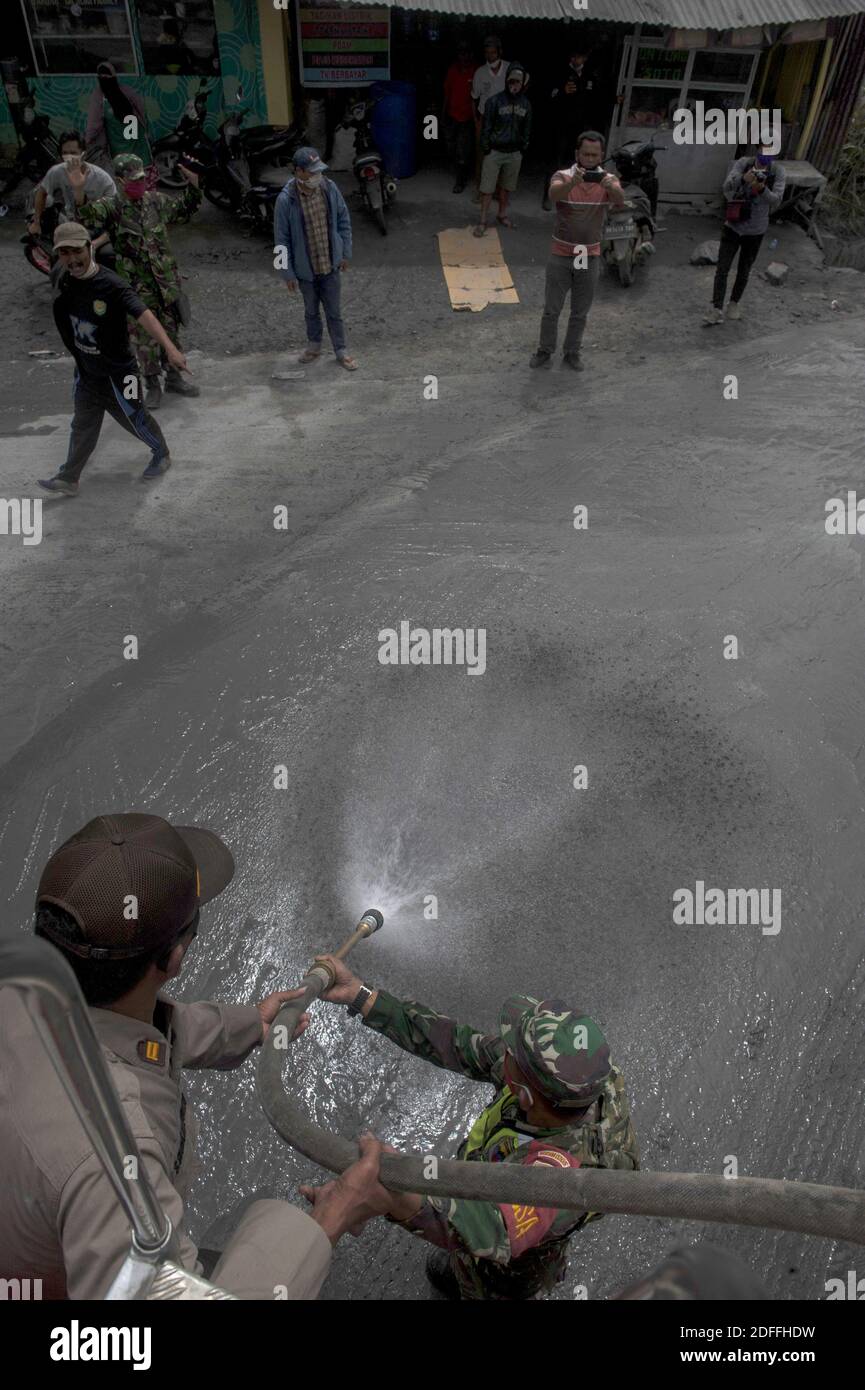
{"x":116,"y":123}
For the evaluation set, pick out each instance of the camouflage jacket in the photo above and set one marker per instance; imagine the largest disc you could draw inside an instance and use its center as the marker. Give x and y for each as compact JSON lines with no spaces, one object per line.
{"x":139,"y":235}
{"x":604,"y":1138}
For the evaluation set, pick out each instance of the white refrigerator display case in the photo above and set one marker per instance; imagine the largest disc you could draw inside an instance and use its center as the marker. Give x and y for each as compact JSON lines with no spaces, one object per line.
{"x":654,"y":82}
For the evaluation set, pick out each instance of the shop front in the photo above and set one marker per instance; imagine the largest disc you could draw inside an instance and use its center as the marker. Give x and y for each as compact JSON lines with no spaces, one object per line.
{"x":782,"y":57}
{"x":161,"y":49}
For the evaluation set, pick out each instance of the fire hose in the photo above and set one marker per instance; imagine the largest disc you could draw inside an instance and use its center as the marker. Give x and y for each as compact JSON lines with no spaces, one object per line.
{"x":834,"y":1212}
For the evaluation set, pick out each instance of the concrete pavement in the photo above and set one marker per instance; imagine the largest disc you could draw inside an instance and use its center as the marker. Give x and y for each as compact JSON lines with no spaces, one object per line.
{"x":258,"y":649}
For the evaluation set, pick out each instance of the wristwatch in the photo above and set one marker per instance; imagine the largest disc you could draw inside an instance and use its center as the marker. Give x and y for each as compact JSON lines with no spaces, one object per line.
{"x":359,"y":1000}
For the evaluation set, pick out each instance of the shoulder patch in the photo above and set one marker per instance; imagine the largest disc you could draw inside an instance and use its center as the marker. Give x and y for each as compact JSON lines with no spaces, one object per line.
{"x":549,"y":1154}
{"x":527,"y":1226}
{"x":153,"y":1052}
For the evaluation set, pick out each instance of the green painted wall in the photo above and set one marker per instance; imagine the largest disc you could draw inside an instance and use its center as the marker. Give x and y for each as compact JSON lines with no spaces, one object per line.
{"x":65,"y":99}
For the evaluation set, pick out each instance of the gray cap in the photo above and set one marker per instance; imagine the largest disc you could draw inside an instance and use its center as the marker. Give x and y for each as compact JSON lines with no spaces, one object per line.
{"x":71,"y":234}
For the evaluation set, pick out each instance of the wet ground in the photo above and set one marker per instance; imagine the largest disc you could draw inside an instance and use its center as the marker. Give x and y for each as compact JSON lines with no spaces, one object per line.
{"x":259,"y":648}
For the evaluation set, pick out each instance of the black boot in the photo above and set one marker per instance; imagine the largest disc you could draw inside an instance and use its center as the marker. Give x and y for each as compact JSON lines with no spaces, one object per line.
{"x":441,"y":1275}
{"x":152,"y":393}
{"x":175,"y":381}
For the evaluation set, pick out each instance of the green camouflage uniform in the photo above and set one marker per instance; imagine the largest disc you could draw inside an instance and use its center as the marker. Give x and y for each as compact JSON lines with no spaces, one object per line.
{"x":139,"y":235}
{"x":500,"y":1251}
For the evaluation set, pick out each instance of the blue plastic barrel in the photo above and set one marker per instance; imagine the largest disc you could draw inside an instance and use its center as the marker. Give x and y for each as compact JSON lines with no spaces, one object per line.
{"x":394,"y":126}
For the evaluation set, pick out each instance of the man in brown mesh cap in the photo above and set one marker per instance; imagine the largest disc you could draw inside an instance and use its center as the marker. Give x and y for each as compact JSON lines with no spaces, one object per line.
{"x":121,"y":900}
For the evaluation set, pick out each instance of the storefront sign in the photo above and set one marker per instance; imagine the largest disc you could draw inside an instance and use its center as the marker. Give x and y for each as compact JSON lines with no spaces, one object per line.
{"x":340,"y":47}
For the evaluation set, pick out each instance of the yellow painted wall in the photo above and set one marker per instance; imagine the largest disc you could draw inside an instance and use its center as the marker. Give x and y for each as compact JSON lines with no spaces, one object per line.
{"x":274,"y":25}
{"x":795,"y":72}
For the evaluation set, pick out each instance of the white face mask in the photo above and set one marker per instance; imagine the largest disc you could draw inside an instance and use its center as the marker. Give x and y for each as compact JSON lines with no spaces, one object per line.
{"x":314,"y":181}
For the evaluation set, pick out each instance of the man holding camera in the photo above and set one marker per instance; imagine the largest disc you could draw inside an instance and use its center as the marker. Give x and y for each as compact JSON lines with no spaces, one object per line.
{"x":754,"y":188}
{"x":581,"y":195}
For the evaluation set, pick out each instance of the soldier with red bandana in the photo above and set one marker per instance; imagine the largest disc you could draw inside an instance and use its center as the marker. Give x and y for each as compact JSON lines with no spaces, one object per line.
{"x":559,"y":1102}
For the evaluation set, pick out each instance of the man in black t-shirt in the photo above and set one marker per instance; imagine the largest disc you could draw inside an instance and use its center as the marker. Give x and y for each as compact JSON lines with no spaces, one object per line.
{"x":90,"y":310}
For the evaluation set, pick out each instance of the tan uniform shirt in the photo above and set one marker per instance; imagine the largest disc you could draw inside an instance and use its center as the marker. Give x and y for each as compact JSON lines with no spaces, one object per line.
{"x":59,"y":1218}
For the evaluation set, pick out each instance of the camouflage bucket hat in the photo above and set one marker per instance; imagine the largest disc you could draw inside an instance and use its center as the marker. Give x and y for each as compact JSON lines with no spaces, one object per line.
{"x":563,"y":1051}
{"x":129,"y":166}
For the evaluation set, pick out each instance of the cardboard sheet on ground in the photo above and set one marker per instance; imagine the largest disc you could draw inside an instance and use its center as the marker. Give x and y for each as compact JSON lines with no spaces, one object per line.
{"x":475,"y":269}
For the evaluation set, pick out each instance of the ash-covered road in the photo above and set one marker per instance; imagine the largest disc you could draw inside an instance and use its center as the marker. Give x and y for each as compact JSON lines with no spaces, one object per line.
{"x":604,"y":647}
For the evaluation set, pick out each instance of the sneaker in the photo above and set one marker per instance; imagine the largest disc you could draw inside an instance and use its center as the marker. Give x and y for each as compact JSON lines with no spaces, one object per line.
{"x":540,"y":359}
{"x":63,"y":487}
{"x":152,"y":393}
{"x":572,"y":360}
{"x":174,"y":381}
{"x":734,"y":310}
{"x":156,"y":467}
{"x":713,"y":315}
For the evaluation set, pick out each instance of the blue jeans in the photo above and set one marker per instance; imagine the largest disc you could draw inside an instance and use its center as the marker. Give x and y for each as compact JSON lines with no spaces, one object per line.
{"x":323,"y":290}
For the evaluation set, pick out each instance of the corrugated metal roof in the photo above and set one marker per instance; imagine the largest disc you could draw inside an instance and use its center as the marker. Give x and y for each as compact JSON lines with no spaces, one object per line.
{"x":677,"y":14}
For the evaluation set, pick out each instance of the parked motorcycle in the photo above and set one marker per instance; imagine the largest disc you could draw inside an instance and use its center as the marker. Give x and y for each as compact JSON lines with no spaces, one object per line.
{"x":377,"y":189}
{"x":188,"y":140}
{"x":636,"y":164}
{"x":627,"y":238}
{"x":250,"y":167}
{"x":39,"y":246}
{"x":38,"y":150}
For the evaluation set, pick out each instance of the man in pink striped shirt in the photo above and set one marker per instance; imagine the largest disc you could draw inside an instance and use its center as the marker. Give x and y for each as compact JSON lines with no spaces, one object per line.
{"x":581,"y":195}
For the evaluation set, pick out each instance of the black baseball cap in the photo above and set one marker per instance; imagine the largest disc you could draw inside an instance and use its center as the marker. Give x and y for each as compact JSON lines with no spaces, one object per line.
{"x":133,"y":882}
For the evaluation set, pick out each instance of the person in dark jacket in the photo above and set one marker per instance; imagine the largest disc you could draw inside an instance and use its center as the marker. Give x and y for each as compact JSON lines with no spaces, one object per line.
{"x":312,"y":241}
{"x":573,"y":108}
{"x":505,"y":133}
{"x":754,"y":188}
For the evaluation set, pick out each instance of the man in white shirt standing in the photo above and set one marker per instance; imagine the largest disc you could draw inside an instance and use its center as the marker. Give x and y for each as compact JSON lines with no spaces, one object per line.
{"x":489,"y":79}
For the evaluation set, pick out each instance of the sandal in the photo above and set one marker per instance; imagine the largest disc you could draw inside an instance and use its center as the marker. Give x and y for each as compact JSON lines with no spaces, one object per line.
{"x":480,"y":230}
{"x":505,"y":222}
{"x":309,"y":356}
{"x":348,"y":362}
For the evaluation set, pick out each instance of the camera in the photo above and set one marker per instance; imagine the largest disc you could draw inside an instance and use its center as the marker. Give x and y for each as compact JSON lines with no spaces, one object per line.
{"x":594,"y":175}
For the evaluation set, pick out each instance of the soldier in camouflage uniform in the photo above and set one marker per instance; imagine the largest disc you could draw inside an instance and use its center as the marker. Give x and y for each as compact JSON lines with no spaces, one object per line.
{"x":136,"y":222}
{"x":558,"y":1102}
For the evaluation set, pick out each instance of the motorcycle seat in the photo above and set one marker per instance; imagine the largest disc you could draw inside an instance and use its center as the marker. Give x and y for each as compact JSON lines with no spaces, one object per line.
{"x":273,"y":178}
{"x":263,"y":135}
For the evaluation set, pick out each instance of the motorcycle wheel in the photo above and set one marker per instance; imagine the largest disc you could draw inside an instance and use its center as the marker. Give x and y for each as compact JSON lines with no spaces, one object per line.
{"x":166,"y":167}
{"x":39,"y":257}
{"x":376,"y":207}
{"x":220,"y":196}
{"x":626,"y":271}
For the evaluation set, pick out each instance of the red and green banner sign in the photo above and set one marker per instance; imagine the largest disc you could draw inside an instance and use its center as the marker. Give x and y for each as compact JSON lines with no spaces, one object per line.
{"x":343,"y":47}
